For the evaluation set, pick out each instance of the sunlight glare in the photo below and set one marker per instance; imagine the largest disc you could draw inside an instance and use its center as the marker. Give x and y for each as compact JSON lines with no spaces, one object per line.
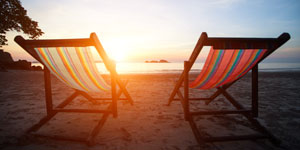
{"x":117,"y":49}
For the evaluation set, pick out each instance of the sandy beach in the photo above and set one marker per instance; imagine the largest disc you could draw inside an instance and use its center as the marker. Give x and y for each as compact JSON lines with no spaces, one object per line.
{"x":149,"y":123}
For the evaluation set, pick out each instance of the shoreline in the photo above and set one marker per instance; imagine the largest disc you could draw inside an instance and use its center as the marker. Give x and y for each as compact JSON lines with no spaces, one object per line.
{"x":165,"y":68}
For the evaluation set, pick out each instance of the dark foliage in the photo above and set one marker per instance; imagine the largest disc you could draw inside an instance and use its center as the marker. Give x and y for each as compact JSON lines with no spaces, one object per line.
{"x":14,"y":17}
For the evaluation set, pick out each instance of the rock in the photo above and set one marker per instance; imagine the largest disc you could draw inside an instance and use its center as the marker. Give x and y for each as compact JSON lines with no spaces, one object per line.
{"x":5,"y":57}
{"x":36,"y":68}
{"x":23,"y":64}
{"x":155,"y":61}
{"x":2,"y":68}
{"x":163,"y":61}
{"x":6,"y":62}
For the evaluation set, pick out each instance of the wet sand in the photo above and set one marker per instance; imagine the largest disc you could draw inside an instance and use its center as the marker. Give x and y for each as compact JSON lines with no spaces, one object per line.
{"x":149,"y":123}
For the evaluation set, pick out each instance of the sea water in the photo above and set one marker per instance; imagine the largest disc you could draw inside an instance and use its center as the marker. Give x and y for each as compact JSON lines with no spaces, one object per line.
{"x":149,"y":68}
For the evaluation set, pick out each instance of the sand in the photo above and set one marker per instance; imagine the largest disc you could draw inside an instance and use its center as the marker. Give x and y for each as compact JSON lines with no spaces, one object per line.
{"x":149,"y":123}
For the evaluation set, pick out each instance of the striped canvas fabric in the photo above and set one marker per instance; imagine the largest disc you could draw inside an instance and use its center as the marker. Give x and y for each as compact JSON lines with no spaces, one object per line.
{"x":74,"y":66}
{"x":225,"y":66}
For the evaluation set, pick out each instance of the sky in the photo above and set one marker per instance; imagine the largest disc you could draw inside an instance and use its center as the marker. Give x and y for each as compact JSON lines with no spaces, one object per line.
{"x":139,"y":30}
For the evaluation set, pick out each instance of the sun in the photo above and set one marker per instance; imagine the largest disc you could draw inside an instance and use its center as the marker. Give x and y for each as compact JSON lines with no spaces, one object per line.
{"x":117,"y":55}
{"x":118,"y":49}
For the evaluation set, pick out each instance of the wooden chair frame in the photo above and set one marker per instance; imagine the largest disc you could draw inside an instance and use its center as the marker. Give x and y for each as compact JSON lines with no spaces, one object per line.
{"x":271,"y":44}
{"x":29,"y":45}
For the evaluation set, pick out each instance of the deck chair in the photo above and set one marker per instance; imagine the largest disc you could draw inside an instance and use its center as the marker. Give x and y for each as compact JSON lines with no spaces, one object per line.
{"x":229,"y":59}
{"x":72,"y":62}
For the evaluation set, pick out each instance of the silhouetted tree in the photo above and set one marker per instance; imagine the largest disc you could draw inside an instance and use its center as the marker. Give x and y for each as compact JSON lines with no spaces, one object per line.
{"x":14,"y":17}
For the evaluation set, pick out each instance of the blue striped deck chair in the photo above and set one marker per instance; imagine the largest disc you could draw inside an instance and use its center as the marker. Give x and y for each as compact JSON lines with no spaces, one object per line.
{"x":229,"y":59}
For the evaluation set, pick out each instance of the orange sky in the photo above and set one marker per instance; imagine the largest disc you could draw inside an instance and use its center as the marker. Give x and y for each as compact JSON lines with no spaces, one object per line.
{"x":139,"y":30}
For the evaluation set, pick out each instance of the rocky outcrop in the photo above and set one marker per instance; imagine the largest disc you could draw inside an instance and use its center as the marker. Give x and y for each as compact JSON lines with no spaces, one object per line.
{"x":5,"y":57}
{"x":21,"y":65}
{"x":6,"y":62}
{"x":155,"y":61}
{"x":163,"y":61}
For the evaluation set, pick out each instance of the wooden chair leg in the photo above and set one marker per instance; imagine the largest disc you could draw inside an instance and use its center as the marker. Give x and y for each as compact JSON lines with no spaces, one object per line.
{"x":51,"y":113}
{"x":186,"y":92}
{"x":219,"y":92}
{"x":251,"y":118}
{"x":124,"y":90}
{"x":48,"y":92}
{"x":37,"y":126}
{"x":120,"y":92}
{"x":87,"y":96}
{"x":113,"y":94}
{"x":181,"y":99}
{"x":49,"y":116}
{"x":196,"y":131}
{"x":176,"y":88}
{"x":98,"y":127}
{"x":255,"y":91}
{"x":215,"y":95}
{"x":192,"y":60}
{"x":92,"y":135}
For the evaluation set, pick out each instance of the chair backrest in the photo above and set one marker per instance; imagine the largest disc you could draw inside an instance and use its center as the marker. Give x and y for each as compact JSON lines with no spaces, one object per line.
{"x":225,"y":66}
{"x":71,"y":61}
{"x":231,"y":58}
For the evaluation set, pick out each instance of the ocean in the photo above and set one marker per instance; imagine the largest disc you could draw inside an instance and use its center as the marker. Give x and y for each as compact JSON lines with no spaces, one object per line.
{"x":150,"y":68}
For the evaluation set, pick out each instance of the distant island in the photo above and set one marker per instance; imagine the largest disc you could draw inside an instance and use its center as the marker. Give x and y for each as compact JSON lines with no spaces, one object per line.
{"x":155,"y":61}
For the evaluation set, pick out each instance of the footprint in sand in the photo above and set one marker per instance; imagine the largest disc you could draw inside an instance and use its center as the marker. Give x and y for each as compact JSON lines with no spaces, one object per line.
{"x":157,"y":130}
{"x":175,"y":125}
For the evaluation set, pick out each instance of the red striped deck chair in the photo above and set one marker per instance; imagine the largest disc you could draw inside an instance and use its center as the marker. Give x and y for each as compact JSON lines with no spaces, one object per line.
{"x":72,"y":62}
{"x":229,"y":59}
